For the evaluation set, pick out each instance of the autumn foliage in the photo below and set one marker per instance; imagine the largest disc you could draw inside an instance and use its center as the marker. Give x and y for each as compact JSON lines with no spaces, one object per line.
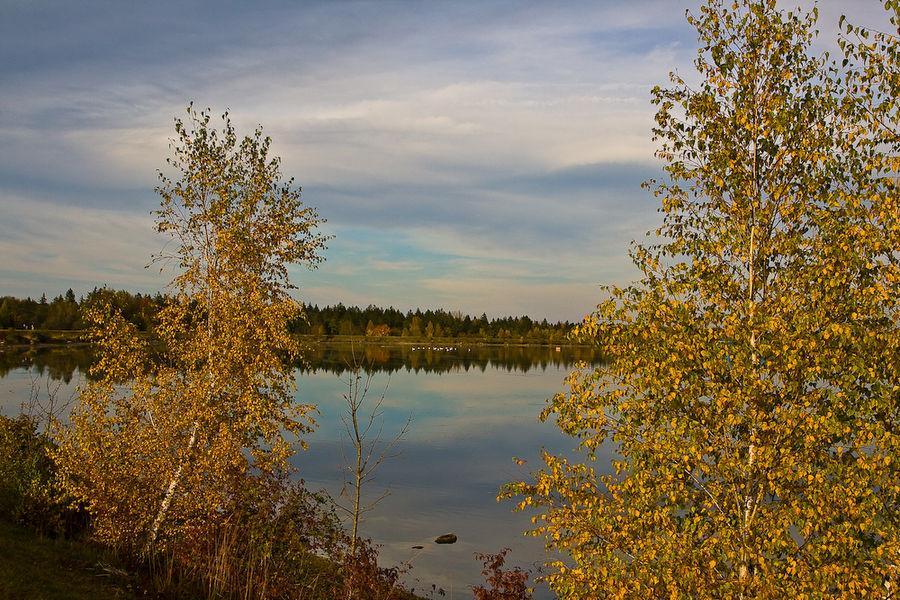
{"x":502,"y":583}
{"x":166,"y":433}
{"x":751,"y":394}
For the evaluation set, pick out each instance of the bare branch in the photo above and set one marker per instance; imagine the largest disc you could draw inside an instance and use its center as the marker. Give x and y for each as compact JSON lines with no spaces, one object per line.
{"x":366,"y":457}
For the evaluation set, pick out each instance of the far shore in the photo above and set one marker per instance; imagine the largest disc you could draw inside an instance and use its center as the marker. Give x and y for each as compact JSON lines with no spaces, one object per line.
{"x":17,"y":338}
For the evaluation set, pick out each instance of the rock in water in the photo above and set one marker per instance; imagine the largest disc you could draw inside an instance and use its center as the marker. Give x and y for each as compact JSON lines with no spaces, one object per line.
{"x":447,"y":538}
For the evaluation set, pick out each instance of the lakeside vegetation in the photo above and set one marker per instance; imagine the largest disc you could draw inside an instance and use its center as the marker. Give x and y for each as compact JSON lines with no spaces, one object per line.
{"x":295,"y":540}
{"x":66,"y":313}
{"x":751,"y":387}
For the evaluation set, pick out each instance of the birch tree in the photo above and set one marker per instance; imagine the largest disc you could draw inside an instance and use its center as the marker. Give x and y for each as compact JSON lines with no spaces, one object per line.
{"x":167,"y":430}
{"x":751,"y":383}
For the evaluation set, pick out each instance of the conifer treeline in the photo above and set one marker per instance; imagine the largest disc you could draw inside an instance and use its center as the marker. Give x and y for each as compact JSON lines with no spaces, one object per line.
{"x":429,"y":324}
{"x":64,"y":313}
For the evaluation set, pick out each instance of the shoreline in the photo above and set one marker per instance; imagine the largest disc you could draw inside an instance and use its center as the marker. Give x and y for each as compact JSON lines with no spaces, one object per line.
{"x":72,"y":338}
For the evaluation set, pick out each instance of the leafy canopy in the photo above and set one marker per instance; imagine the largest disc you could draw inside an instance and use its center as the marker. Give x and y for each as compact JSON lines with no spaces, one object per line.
{"x":750,"y":394}
{"x":167,"y":431}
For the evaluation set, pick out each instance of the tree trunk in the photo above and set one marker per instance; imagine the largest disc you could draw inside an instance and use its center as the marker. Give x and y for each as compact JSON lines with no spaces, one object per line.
{"x":170,"y":493}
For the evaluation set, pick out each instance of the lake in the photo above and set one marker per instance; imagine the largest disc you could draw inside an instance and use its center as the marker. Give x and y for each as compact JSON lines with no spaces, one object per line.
{"x":473,"y":410}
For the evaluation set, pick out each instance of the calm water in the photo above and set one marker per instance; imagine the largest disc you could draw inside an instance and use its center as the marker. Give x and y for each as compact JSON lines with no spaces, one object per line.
{"x":472,"y":412}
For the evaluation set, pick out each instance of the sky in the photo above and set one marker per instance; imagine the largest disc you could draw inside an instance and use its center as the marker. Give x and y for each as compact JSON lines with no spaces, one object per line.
{"x":480,"y":156}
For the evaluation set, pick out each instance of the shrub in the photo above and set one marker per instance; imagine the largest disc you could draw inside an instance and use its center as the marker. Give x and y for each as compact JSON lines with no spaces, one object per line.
{"x":30,"y":492}
{"x":274,"y":539}
{"x":504,"y":584}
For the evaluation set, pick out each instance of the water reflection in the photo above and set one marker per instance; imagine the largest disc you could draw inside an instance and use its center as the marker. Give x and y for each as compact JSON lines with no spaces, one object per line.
{"x":61,"y":362}
{"x":441,"y":358}
{"x":474,"y":408}
{"x":466,"y":429}
{"x":55,"y":362}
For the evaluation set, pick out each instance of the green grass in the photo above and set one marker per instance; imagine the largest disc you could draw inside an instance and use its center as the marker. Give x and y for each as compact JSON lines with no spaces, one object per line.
{"x":33,"y":567}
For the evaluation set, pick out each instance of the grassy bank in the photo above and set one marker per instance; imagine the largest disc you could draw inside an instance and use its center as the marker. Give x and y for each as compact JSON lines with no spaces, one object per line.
{"x":37,"y":567}
{"x":271,"y":539}
{"x":34,"y":567}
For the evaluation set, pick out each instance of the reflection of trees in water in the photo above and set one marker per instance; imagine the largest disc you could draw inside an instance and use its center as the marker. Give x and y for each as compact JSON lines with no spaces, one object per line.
{"x":60,"y":363}
{"x":57,"y":363}
{"x":336,"y":357}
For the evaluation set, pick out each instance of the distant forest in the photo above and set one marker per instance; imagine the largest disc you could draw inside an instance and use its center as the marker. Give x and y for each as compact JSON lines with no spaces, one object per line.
{"x":64,"y":313}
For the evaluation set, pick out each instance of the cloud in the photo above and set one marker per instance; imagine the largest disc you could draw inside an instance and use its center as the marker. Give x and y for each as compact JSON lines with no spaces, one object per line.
{"x":56,"y":246}
{"x":474,"y":142}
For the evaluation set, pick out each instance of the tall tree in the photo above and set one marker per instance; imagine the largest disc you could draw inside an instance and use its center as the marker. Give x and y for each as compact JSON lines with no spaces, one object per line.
{"x":157,"y":442}
{"x":751,"y":389}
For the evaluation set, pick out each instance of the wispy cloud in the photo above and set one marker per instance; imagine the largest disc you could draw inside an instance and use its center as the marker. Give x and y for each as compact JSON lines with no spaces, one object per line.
{"x":55,"y":246}
{"x":485,"y":153}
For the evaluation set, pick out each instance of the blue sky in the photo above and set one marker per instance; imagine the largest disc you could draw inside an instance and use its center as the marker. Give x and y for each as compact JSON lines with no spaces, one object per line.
{"x":479,"y":156}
